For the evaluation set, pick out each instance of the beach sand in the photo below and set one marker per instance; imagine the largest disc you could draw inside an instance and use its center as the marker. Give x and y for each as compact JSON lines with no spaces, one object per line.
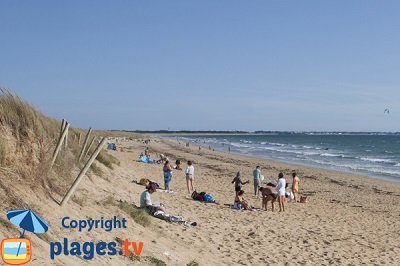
{"x":348,"y":219}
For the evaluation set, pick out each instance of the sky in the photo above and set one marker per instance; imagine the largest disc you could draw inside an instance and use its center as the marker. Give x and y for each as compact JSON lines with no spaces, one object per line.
{"x":206,"y":65}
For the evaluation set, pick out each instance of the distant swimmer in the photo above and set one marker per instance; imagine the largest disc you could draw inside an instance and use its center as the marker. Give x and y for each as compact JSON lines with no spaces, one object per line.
{"x":386,"y":111}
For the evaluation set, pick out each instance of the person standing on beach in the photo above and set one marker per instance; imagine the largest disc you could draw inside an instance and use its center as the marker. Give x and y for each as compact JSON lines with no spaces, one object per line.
{"x":295,"y":187}
{"x":281,"y":189}
{"x":189,"y":176}
{"x":238,"y":182}
{"x":257,"y":180}
{"x":167,"y":169}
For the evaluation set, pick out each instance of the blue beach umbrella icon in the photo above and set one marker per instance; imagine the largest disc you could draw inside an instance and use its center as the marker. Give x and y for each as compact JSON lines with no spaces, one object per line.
{"x":27,"y":220}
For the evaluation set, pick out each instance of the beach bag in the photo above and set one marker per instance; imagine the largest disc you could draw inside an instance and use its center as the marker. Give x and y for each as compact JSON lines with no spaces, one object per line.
{"x":261,"y":178}
{"x":208,"y":198}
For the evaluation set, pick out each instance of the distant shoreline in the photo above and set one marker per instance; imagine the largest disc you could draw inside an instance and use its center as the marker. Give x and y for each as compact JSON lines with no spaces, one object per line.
{"x":217,"y":132}
{"x":308,"y":164}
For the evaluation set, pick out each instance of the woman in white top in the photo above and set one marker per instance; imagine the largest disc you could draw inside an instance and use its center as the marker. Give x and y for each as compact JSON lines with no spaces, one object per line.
{"x":189,"y":176}
{"x":281,"y":189}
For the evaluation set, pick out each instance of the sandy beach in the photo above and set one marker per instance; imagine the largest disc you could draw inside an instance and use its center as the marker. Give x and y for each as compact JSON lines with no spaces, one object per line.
{"x":348,"y":219}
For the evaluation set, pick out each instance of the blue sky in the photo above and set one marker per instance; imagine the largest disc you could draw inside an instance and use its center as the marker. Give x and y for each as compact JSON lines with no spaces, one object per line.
{"x":206,"y":65}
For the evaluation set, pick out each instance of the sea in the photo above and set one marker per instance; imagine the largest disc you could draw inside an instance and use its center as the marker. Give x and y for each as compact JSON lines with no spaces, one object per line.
{"x":372,"y":154}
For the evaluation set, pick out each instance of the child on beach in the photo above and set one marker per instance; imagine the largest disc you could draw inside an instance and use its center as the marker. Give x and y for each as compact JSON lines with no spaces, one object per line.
{"x":295,"y":187}
{"x":238,"y":183}
{"x":189,"y":176}
{"x":281,"y":189}
{"x":167,"y":169}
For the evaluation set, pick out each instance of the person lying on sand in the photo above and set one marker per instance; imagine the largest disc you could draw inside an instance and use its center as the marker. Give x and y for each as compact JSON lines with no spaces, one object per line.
{"x":203,"y":197}
{"x":268,"y":194}
{"x":145,"y":199}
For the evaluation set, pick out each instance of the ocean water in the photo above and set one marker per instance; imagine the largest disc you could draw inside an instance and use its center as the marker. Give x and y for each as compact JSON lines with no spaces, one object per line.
{"x":372,"y":154}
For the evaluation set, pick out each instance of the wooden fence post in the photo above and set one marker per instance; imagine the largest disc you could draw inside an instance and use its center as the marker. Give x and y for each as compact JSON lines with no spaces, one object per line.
{"x":84,"y":144}
{"x":63,"y":123}
{"x":60,"y":141}
{"x":66,"y":138}
{"x":79,"y":138}
{"x":82,"y":173}
{"x":62,"y":127}
{"x":90,"y":145}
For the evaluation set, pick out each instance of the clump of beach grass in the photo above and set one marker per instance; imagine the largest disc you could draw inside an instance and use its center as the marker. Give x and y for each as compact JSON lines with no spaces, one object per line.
{"x":2,"y":151}
{"x":140,"y":216}
{"x":107,"y":159}
{"x":96,"y":170}
{"x":154,"y":261}
{"x":110,"y":200}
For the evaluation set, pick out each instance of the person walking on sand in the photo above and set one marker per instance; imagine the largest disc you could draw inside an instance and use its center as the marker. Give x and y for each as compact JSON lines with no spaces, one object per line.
{"x":167,"y":169}
{"x":257,"y":180}
{"x":238,"y":182}
{"x":189,"y":176}
{"x":295,"y":187}
{"x":280,"y":188}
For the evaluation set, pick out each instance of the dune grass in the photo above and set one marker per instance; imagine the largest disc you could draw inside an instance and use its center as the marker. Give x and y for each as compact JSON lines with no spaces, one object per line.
{"x":140,"y":216}
{"x":2,"y":151}
{"x":107,"y":159}
{"x":24,"y":119}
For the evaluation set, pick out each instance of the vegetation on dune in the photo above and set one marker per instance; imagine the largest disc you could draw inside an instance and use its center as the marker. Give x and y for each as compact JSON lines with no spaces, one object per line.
{"x":107,"y":159}
{"x":23,"y":119}
{"x":2,"y":151}
{"x":27,"y":142}
{"x":140,"y":216}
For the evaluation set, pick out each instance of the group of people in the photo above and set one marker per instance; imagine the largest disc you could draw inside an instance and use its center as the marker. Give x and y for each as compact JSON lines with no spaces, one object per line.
{"x":189,"y":173}
{"x":273,"y":192}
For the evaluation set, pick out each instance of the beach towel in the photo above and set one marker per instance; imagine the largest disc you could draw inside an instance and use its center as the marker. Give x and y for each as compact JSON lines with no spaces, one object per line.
{"x":146,"y":159}
{"x":166,"y":191}
{"x":173,"y":218}
{"x":239,"y":207}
